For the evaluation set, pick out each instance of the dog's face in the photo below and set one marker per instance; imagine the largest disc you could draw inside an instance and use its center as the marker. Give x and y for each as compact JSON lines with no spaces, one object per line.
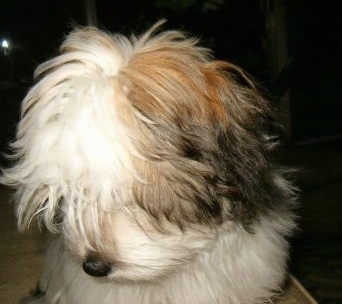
{"x":139,"y":150}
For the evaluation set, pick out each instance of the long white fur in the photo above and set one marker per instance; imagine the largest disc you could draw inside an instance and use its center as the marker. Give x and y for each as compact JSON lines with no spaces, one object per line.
{"x":75,"y":93}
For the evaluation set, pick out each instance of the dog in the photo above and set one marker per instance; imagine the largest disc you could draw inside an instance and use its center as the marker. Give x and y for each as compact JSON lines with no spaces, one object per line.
{"x":153,"y":166}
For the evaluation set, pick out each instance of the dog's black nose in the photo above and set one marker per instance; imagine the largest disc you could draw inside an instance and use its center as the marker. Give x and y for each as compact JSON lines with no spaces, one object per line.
{"x":96,"y":267}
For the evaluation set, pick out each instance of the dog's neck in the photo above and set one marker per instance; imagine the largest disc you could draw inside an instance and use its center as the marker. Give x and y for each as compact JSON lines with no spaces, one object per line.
{"x":208,"y":278}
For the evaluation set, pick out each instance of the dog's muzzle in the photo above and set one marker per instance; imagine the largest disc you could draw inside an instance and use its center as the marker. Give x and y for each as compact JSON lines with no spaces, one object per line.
{"x":96,"y":267}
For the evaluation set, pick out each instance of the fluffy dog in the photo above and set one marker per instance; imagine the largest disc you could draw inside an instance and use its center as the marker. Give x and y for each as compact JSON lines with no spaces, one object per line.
{"x":151,"y":164}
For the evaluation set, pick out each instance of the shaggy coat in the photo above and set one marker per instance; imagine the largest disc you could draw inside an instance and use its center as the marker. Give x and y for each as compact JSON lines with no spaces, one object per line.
{"x":151,"y":164}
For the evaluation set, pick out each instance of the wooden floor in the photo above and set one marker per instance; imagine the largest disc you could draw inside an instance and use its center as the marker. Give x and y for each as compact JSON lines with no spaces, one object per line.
{"x":317,"y":247}
{"x":20,"y":255}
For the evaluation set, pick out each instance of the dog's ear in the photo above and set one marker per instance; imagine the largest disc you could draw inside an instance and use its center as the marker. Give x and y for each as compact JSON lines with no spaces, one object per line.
{"x":202,"y":126}
{"x":246,"y":132}
{"x":68,"y":133}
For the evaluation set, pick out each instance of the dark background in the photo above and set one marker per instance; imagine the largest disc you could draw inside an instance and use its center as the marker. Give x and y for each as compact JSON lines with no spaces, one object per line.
{"x":293,"y":48}
{"x":236,"y":30}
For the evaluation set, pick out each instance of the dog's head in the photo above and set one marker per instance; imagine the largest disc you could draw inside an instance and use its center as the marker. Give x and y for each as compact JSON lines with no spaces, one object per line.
{"x":137,"y":150}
